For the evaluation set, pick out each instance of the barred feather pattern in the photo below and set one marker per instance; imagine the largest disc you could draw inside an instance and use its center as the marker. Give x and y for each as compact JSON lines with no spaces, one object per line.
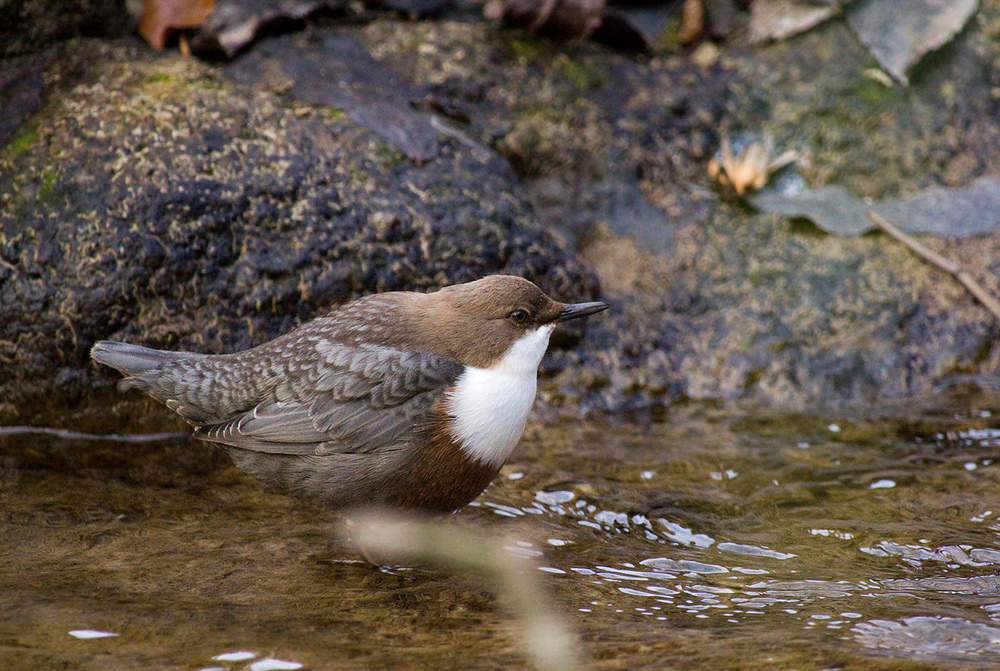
{"x":310,"y":391}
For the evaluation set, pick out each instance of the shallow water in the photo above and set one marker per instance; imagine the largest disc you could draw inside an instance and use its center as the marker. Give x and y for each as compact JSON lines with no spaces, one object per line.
{"x":712,"y":540}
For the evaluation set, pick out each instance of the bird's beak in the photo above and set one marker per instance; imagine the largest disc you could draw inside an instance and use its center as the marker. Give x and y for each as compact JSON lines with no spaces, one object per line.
{"x":577,"y":310}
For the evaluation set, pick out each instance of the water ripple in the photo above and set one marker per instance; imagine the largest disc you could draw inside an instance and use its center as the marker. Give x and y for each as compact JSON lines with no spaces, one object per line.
{"x":929,"y":636}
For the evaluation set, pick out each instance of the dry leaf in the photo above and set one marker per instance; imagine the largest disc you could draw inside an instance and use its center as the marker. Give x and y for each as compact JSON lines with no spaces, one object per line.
{"x":693,"y":22}
{"x":948,"y":212}
{"x":900,"y":32}
{"x":748,"y":169}
{"x":161,"y":18}
{"x":559,"y":20}
{"x":236,"y":23}
{"x":778,"y":19}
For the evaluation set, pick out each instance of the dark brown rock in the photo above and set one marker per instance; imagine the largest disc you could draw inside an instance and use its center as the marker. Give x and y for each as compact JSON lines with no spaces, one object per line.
{"x":30,"y":26}
{"x":160,"y":205}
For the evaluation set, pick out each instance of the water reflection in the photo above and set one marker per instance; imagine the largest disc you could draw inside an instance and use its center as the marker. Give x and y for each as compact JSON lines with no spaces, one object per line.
{"x":661,"y":538}
{"x":936,"y":637}
{"x":86,"y":634}
{"x":862,"y":567}
{"x":679,"y":582}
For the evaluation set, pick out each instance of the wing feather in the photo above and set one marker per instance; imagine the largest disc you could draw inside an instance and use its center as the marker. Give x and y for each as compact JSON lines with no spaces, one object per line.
{"x":361,"y":399}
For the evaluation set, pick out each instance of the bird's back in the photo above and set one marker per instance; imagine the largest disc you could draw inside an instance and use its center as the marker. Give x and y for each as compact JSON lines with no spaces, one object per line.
{"x":315,"y":384}
{"x":321,"y":412}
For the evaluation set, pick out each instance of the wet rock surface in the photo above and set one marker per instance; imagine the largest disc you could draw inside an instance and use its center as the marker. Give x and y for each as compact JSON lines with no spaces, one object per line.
{"x":29,"y":26}
{"x":712,"y":299}
{"x":155,"y":201}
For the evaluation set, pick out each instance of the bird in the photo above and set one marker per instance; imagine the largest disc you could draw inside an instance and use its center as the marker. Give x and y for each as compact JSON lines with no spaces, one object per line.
{"x":403,"y":400}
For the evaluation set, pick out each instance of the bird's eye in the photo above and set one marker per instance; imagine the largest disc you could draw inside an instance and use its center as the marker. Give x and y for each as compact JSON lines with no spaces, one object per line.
{"x":519,"y":316}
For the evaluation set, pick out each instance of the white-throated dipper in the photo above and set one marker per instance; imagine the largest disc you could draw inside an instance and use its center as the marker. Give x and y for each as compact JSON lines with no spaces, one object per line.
{"x":398,"y":399}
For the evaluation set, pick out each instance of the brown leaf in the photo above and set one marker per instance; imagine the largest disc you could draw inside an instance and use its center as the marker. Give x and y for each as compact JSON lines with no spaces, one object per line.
{"x":560,"y":20}
{"x":778,"y":19}
{"x":235,"y":24}
{"x":692,"y":22}
{"x":160,"y":18}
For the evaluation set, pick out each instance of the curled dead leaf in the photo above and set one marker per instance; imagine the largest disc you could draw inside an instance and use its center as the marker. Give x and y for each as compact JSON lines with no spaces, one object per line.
{"x":750,"y":168}
{"x":693,"y":22}
{"x":161,"y":18}
{"x":559,"y":20}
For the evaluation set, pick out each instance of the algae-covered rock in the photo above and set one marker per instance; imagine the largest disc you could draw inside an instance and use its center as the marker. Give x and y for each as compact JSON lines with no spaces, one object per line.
{"x":29,"y":26}
{"x":150,"y":199}
{"x":712,"y":299}
{"x":153,"y":202}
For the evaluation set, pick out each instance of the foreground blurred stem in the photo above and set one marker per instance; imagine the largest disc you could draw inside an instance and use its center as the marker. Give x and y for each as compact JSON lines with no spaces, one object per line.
{"x":77,"y":435}
{"x":394,"y":540}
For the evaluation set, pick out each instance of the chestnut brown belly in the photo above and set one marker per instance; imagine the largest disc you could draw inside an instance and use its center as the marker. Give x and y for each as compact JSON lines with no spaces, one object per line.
{"x":439,"y":476}
{"x":431,"y":473}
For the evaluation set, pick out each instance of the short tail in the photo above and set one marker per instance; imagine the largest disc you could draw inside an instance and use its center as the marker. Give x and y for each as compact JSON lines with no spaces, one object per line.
{"x":195,"y":386}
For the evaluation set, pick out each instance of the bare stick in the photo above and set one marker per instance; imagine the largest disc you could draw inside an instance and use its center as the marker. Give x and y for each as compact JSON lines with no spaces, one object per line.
{"x":969,"y":282}
{"x":76,"y":435}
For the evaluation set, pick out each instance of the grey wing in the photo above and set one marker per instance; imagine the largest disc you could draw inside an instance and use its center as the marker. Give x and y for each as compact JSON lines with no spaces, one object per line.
{"x":359,"y":399}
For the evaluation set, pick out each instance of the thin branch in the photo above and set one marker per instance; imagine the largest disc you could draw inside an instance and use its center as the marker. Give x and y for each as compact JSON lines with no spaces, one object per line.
{"x":969,"y":282}
{"x":76,"y":435}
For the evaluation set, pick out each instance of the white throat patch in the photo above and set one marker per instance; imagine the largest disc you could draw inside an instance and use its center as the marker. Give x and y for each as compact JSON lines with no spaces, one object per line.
{"x":491,"y":405}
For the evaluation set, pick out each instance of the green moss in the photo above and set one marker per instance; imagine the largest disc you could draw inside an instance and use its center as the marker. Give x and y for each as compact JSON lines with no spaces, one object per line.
{"x":208,"y":83}
{"x":46,"y":182}
{"x":159,"y":78}
{"x":334,"y":113}
{"x":669,"y":38}
{"x":578,"y":74}
{"x":764,"y":276}
{"x":416,"y":41}
{"x":21,"y":143}
{"x":359,"y":178}
{"x":389,"y":156}
{"x":873,"y":91}
{"x":523,"y":48}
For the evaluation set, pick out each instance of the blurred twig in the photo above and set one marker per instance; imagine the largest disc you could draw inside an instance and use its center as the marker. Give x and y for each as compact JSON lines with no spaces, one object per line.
{"x":407,"y":541}
{"x":969,"y":282}
{"x":76,"y":435}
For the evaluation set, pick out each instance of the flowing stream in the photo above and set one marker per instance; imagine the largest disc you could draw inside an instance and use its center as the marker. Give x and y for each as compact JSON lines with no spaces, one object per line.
{"x":708,"y":540}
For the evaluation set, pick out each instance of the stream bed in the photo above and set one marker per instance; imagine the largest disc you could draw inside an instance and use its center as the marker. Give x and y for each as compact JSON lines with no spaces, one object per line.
{"x":703,"y":539}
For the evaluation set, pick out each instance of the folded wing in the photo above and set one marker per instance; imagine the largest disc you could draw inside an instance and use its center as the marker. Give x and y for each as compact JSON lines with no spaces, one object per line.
{"x":354,"y":399}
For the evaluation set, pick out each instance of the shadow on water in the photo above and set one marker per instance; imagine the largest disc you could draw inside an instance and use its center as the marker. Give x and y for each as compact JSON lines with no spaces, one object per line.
{"x":714,"y":540}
